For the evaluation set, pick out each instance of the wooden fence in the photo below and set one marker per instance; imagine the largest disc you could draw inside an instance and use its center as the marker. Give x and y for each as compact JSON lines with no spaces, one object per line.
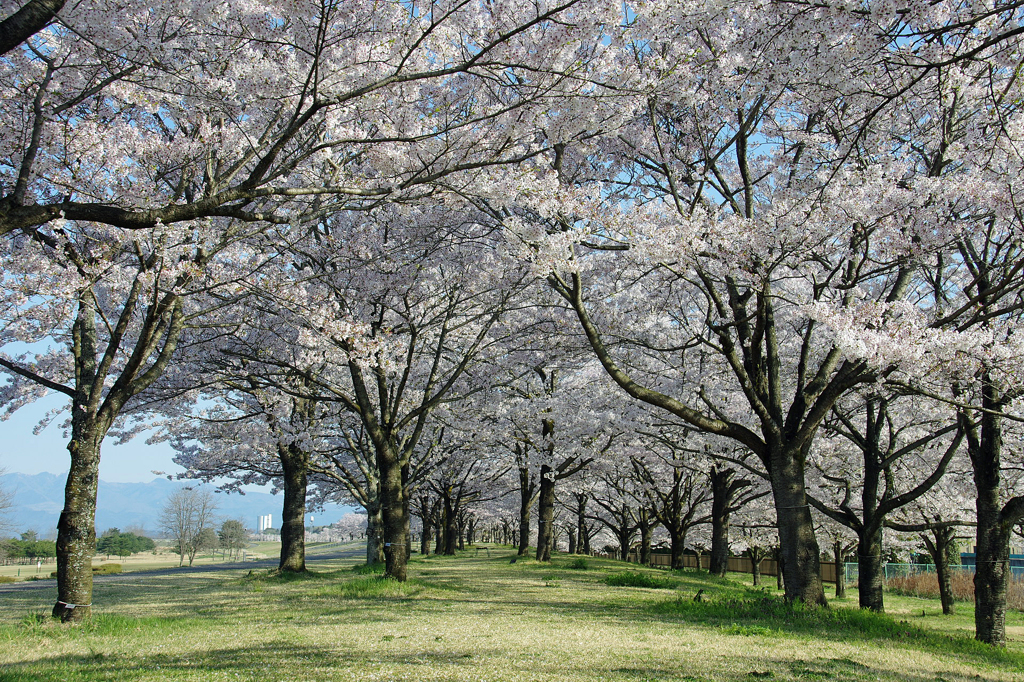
{"x":737,"y":564}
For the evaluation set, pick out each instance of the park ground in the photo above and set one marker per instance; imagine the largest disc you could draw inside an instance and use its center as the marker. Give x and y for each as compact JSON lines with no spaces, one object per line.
{"x":477,"y":616}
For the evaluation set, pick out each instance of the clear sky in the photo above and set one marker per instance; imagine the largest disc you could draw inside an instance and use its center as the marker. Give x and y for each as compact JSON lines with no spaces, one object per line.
{"x":23,"y":452}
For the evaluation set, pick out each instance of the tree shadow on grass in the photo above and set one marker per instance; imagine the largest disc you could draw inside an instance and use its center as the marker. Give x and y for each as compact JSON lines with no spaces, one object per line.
{"x":762,"y":614}
{"x":287,"y":660}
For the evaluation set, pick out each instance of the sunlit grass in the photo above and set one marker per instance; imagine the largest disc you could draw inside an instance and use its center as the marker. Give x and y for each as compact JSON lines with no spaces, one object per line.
{"x":475,"y":617}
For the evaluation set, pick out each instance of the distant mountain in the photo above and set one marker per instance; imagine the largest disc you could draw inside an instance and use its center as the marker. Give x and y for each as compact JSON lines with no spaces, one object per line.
{"x":39,"y":498}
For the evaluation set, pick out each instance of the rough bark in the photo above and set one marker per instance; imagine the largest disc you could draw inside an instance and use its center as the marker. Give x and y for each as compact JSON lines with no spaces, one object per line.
{"x":724,"y":488}
{"x":394,"y":520}
{"x":34,"y":16}
{"x":295,"y":464}
{"x":546,"y":513}
{"x":800,"y":550}
{"x":870,"y":574}
{"x":76,"y":529}
{"x":374,"y":534}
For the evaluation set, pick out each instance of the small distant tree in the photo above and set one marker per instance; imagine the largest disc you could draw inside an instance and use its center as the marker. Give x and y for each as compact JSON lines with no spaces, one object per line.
{"x":233,"y":537}
{"x":187,"y":513}
{"x":113,"y":541}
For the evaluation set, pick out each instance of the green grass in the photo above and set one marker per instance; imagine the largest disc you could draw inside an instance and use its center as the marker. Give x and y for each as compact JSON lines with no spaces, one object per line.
{"x":480,"y":618}
{"x":637,"y":579}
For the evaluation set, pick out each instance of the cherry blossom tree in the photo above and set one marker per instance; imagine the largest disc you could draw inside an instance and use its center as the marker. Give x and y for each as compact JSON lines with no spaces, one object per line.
{"x":137,"y":116}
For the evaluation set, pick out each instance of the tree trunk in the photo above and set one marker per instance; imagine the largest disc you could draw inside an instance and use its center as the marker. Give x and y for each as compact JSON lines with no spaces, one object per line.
{"x":992,"y":572}
{"x":374,"y":534}
{"x":646,"y":533}
{"x":755,"y":566}
{"x":526,"y":500}
{"x":546,"y":514}
{"x":451,"y":527}
{"x":76,"y":528}
{"x":837,"y":556}
{"x":677,"y":544}
{"x":870,"y":574}
{"x":425,"y":513}
{"x":295,"y":463}
{"x":800,"y":550}
{"x":722,"y":491}
{"x":572,"y":543}
{"x":938,"y":546}
{"x":779,"y":578}
{"x":394,"y":521}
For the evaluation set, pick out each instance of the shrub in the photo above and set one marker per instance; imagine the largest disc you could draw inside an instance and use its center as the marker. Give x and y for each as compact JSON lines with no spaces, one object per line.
{"x":634,"y":579}
{"x":579,"y":564}
{"x":7,"y":579}
{"x":106,"y":569}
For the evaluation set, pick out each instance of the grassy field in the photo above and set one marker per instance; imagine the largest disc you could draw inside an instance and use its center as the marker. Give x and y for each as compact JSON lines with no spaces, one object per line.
{"x":144,"y":561}
{"x":478,"y":617}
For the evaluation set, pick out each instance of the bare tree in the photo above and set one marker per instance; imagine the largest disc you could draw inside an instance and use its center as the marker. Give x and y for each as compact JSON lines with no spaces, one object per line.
{"x":186,"y":515}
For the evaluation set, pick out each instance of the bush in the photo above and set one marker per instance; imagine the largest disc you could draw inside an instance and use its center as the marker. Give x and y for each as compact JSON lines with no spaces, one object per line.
{"x":106,"y":569}
{"x":7,"y":579}
{"x":634,"y":579}
{"x":579,"y":564}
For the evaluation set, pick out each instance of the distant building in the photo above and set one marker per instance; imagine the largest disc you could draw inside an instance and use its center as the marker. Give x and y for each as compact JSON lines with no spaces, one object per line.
{"x":264,"y":522}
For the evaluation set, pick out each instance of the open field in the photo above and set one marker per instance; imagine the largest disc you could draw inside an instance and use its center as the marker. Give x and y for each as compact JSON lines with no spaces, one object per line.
{"x":144,"y":561}
{"x":478,"y":617}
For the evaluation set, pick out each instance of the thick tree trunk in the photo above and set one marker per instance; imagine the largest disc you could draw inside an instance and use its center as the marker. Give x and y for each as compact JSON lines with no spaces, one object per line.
{"x":992,"y":573}
{"x":76,"y":528}
{"x":572,"y":543}
{"x":722,"y":492}
{"x":295,"y":464}
{"x":800,"y":550}
{"x":546,"y":514}
{"x":374,"y":534}
{"x":870,"y":574}
{"x":677,"y":546}
{"x":394,"y":521}
{"x":837,"y":557}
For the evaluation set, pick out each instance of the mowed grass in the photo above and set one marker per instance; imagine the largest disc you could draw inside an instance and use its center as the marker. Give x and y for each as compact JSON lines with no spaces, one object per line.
{"x":164,"y":557}
{"x":477,"y":618}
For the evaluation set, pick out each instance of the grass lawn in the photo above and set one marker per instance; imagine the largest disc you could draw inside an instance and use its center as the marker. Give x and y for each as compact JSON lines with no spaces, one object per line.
{"x":478,"y":617}
{"x":163,"y":557}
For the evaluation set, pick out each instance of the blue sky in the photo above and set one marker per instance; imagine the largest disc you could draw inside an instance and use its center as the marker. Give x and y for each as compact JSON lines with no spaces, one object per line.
{"x":25,"y":453}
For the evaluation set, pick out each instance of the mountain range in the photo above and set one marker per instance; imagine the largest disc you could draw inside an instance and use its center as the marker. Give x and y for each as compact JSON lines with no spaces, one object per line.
{"x":38,"y":499}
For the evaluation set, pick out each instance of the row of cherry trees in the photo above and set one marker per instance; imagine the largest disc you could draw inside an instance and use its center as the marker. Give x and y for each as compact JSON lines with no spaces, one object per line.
{"x":376,"y":249}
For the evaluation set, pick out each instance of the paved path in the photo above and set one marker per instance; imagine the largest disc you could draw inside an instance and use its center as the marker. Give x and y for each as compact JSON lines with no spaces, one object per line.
{"x":346,"y":550}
